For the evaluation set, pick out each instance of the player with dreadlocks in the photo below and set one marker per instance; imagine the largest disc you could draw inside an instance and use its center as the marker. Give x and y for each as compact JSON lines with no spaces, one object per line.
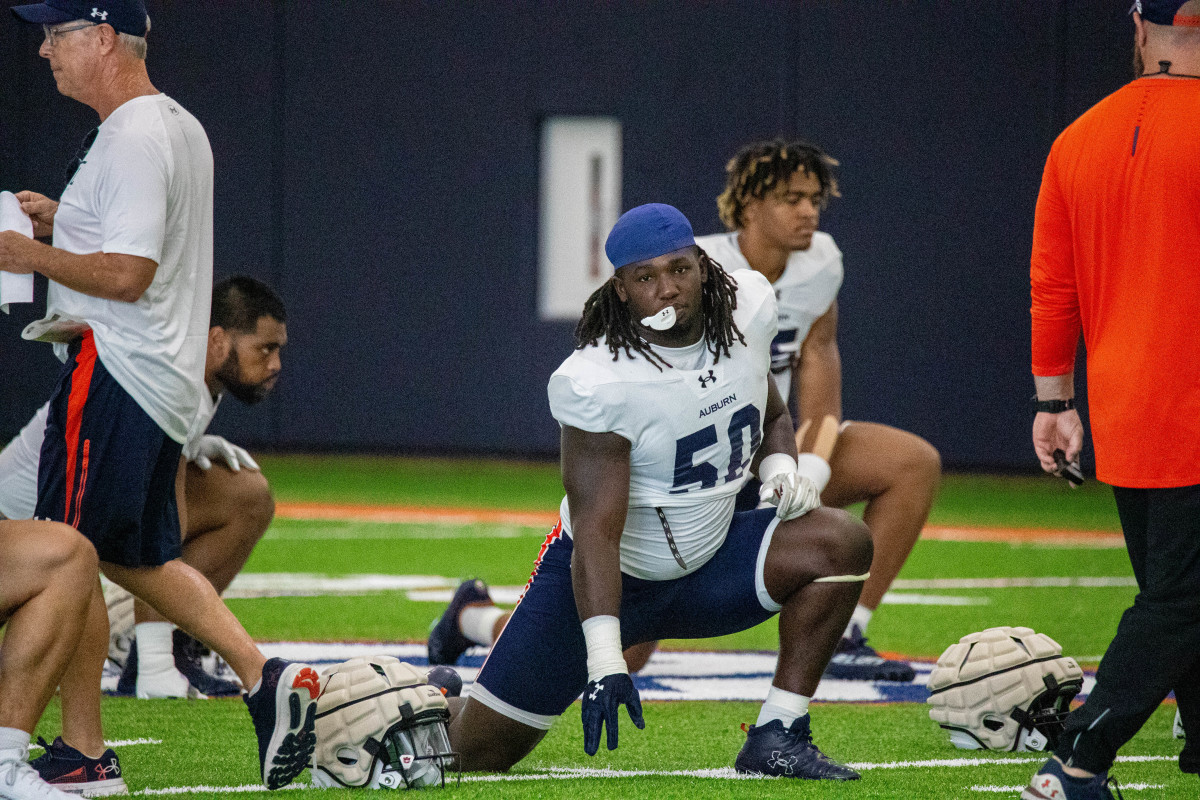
{"x":605,"y":315}
{"x":774,"y":193}
{"x":662,"y":425}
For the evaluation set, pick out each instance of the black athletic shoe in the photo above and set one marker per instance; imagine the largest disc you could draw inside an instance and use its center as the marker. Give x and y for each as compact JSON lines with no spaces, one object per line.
{"x":127,"y":683}
{"x":188,"y":653}
{"x":855,"y":660}
{"x":446,"y":641}
{"x":446,"y":679}
{"x":284,"y":710}
{"x":782,"y":752}
{"x":69,"y":770}
{"x":1051,"y":783}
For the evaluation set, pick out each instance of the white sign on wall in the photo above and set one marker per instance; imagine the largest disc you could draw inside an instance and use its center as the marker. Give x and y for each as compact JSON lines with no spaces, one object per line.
{"x":579,"y":203}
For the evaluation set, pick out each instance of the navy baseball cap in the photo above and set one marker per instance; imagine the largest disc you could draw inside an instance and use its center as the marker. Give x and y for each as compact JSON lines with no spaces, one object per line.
{"x":1164,"y":12}
{"x":647,"y":232}
{"x":126,"y":16}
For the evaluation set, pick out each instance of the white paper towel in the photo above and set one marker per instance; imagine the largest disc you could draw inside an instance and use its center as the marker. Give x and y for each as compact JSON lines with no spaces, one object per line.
{"x":14,"y":288}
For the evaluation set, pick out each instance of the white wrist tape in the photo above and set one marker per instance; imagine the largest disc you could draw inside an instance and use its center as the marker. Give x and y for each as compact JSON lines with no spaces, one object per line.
{"x":813,"y":467}
{"x":604,"y":654}
{"x":775,"y":464}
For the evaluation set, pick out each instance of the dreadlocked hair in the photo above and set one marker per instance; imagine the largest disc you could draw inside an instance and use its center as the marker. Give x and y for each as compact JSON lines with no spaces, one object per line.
{"x":765,"y":167}
{"x":605,"y":315}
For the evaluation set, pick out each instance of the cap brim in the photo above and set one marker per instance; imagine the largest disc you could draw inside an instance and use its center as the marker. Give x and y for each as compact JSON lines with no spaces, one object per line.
{"x":41,"y":14}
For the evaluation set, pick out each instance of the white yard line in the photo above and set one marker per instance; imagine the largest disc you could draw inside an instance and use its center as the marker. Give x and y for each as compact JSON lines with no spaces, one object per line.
{"x":1016,"y":583}
{"x":718,"y":773}
{"x":117,"y":743}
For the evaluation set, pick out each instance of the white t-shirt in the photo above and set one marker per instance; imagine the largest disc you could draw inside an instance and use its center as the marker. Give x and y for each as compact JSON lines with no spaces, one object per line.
{"x":20,"y":458}
{"x":144,"y":189}
{"x":693,"y":431}
{"x":805,"y":291}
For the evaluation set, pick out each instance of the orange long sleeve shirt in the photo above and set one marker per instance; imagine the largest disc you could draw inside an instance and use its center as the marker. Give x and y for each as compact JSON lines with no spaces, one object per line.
{"x":1116,"y":254}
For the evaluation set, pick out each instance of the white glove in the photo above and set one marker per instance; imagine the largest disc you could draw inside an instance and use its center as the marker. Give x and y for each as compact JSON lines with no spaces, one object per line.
{"x":211,"y":447}
{"x":792,"y":494}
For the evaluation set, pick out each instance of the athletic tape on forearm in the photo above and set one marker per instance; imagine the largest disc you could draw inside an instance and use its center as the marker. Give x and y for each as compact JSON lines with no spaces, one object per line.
{"x":815,"y":468}
{"x":775,"y":464}
{"x":603,"y":636}
{"x":842,"y":578}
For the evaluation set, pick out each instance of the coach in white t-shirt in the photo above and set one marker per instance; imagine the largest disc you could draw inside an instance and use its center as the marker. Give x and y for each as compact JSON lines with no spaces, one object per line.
{"x":130,"y":274}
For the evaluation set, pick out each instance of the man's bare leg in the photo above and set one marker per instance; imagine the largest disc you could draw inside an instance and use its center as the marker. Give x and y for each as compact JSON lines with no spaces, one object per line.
{"x":897,"y":473}
{"x":80,"y":684}
{"x":821,"y":544}
{"x":48,"y":569}
{"x":227,"y":514}
{"x":486,"y":740}
{"x":185,"y":597}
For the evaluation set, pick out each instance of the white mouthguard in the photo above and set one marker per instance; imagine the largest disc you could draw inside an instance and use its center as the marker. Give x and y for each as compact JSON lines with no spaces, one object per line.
{"x":662,"y":321}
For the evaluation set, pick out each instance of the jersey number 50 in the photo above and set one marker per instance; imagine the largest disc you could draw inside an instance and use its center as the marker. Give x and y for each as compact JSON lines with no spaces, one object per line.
{"x":706,"y":473}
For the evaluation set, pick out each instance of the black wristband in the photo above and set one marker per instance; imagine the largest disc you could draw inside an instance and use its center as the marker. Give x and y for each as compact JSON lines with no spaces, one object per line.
{"x":1053,"y":406}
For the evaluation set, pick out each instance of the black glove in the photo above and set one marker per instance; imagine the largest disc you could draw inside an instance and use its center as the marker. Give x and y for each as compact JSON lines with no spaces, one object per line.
{"x":601,"y":701}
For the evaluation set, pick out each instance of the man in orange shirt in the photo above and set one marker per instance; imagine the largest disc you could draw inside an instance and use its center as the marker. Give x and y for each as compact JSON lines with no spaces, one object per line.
{"x":1116,"y":252}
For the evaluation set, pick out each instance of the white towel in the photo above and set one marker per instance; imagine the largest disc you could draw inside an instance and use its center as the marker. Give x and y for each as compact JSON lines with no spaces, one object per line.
{"x":14,"y":288}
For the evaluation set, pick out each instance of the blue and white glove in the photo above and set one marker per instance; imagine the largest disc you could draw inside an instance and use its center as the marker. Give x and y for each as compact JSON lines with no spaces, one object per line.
{"x":609,"y":685}
{"x":211,"y":447}
{"x":794,"y":489}
{"x":601,"y":701}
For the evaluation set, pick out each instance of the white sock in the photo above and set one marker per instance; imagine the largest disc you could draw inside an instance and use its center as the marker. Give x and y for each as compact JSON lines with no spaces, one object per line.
{"x":13,"y":739}
{"x":477,"y":622}
{"x":784,"y":706}
{"x":860,"y":617}
{"x":155,"y":647}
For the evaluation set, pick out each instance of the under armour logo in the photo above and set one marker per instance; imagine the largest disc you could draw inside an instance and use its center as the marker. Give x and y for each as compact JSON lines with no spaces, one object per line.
{"x":596,"y":693}
{"x":100,"y":15}
{"x":704,"y":382}
{"x":104,"y":771}
{"x":784,"y":765}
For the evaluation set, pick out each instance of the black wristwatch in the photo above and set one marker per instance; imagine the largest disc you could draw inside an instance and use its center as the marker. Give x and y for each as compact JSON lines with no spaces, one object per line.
{"x":1053,"y":406}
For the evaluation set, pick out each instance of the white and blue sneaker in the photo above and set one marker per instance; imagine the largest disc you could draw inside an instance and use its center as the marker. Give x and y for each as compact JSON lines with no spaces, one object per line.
{"x":20,"y":781}
{"x":284,"y":710}
{"x":1051,"y":783}
{"x":855,"y":660}
{"x":446,"y":640}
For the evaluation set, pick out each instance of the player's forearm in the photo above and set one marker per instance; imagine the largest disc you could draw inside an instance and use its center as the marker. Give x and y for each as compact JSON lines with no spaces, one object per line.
{"x":819,"y":392}
{"x":111,"y":276}
{"x":778,"y":437}
{"x":596,"y":574}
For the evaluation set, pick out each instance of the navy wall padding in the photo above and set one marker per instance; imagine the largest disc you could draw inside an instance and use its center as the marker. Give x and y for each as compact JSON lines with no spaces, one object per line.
{"x":378,"y":163}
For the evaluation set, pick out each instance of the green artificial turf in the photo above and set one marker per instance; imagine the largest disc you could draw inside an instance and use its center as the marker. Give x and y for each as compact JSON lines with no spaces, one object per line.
{"x":212,"y":743}
{"x":972,"y":500}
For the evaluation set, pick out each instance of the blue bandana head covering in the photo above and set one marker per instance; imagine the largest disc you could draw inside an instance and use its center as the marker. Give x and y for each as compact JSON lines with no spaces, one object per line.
{"x":647,"y":232}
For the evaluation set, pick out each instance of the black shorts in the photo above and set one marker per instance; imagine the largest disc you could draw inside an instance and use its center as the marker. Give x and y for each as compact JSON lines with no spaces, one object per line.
{"x":106,"y":468}
{"x":538,"y":666}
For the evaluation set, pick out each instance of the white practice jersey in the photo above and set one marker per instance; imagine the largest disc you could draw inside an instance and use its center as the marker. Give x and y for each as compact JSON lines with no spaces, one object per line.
{"x":145,"y":188}
{"x":19,"y":459}
{"x":805,"y":291}
{"x":693,"y":429}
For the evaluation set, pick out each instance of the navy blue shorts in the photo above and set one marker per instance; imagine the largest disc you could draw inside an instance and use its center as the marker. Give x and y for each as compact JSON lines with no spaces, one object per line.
{"x":538,"y":666}
{"x":106,"y":468}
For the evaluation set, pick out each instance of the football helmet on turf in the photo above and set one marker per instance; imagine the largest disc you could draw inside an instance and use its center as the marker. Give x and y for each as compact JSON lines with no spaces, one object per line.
{"x":1003,"y":689}
{"x":380,"y":725}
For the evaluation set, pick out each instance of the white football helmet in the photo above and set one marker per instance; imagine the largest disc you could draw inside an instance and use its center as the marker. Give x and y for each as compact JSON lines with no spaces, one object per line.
{"x":380,"y":725}
{"x":1003,"y":689}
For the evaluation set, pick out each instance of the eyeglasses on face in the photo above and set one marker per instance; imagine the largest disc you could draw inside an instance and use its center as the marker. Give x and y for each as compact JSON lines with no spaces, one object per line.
{"x":55,"y":32}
